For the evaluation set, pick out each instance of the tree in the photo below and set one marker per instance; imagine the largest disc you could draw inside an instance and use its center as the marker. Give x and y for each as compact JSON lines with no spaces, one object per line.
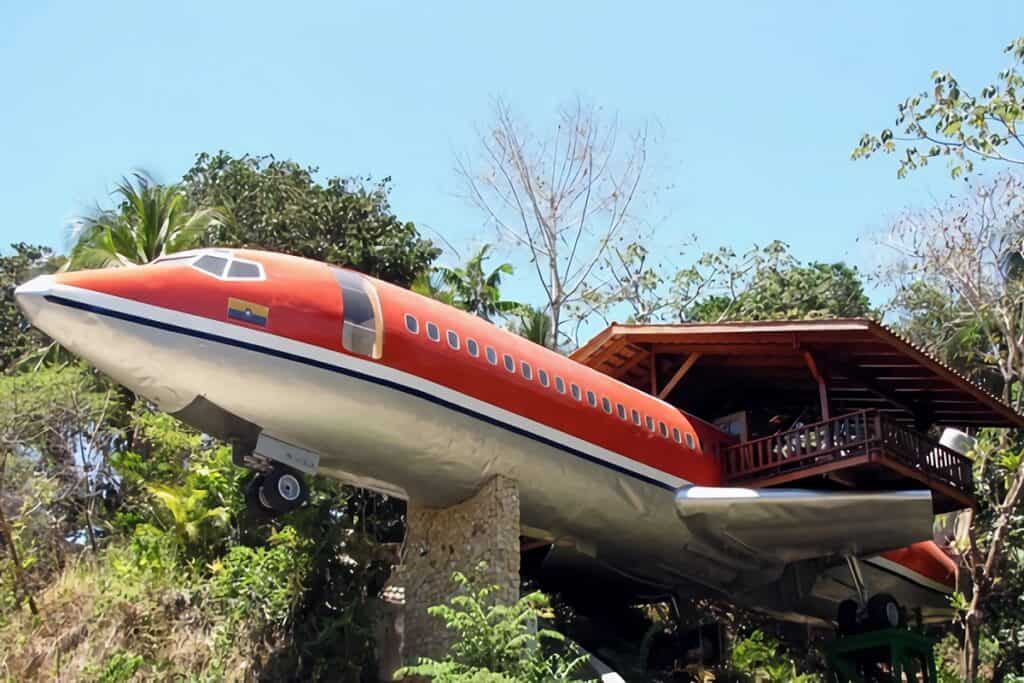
{"x":150,"y":221}
{"x":279,"y":206}
{"x":967,"y":252}
{"x":763,"y":283}
{"x":534,"y":324}
{"x":563,"y":197}
{"x":17,"y":337}
{"x":476,"y":291}
{"x":793,"y":292}
{"x":950,"y":122}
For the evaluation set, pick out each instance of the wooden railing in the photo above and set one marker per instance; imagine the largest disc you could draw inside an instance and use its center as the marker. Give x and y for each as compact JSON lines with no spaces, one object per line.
{"x":862,"y":433}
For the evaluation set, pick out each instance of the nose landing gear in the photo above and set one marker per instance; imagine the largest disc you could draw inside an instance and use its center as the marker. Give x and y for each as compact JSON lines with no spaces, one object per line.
{"x":275,"y":492}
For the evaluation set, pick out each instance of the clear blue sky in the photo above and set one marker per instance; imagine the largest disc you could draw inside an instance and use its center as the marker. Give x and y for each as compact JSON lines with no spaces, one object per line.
{"x":759,"y":106}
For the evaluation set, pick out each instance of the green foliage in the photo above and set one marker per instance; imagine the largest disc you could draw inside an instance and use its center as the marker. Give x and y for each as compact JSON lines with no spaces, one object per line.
{"x":476,"y":291}
{"x":763,"y":283}
{"x":279,"y":206}
{"x":191,"y":518}
{"x":534,"y":324}
{"x":17,"y":337}
{"x":760,"y":658}
{"x":151,"y":220}
{"x":792,"y":292}
{"x":953,"y":123}
{"x":257,"y":586}
{"x":498,"y":642}
{"x":119,"y":667}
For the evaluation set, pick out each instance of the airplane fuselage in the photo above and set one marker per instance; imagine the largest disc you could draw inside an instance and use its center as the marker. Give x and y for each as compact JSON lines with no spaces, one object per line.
{"x":403,"y":394}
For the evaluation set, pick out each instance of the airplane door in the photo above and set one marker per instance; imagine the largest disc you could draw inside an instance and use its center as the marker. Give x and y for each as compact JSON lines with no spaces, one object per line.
{"x":362,"y":332}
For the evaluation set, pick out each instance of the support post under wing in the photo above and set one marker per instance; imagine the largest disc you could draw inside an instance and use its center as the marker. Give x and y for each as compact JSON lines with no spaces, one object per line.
{"x":750,"y":529}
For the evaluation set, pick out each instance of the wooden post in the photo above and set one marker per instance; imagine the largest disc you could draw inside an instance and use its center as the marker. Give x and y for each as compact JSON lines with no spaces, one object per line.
{"x":822,"y":388}
{"x":654,"y":373}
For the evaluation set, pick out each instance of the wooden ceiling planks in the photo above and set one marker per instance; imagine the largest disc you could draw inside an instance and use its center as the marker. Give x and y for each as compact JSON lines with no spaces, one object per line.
{"x":863,"y":363}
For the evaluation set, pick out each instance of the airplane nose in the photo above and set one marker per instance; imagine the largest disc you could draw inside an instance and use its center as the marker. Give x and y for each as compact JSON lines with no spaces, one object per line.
{"x":31,"y":295}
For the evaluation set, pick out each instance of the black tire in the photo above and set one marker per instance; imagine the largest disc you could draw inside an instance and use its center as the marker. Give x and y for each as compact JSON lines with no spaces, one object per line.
{"x":884,"y":611}
{"x":255,"y":508}
{"x":846,"y":617}
{"x":282,"y":490}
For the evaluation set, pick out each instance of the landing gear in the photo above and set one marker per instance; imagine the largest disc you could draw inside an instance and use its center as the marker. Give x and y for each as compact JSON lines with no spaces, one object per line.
{"x":880,"y":611}
{"x":884,"y":611}
{"x":275,"y":492}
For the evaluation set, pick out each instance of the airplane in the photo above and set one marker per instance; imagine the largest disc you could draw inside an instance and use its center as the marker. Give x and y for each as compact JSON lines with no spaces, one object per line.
{"x":307,"y":368}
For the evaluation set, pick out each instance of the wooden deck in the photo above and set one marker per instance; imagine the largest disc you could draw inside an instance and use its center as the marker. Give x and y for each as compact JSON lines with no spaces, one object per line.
{"x":863,"y":450}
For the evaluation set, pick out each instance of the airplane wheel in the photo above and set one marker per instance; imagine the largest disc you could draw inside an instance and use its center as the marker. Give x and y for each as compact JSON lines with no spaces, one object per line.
{"x":846,"y":618}
{"x":258,"y":512}
{"x":884,"y":611}
{"x":282,"y":490}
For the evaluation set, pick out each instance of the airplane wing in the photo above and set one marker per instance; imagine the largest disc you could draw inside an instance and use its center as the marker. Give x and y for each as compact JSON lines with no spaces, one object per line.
{"x":748,"y":529}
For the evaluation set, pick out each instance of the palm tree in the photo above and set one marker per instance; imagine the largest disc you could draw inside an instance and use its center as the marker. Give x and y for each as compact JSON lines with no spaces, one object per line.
{"x":477,"y":291}
{"x":430,"y":283}
{"x":534,"y":324}
{"x":151,"y":220}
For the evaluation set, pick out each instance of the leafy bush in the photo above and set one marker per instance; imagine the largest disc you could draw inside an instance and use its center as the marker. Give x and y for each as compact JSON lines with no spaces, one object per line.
{"x":498,"y":643}
{"x":119,"y":667}
{"x":260,"y":585}
{"x":760,"y":658}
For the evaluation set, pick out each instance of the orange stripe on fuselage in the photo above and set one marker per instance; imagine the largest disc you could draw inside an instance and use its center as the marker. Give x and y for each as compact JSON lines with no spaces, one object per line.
{"x":476,"y":377}
{"x":926,"y":559}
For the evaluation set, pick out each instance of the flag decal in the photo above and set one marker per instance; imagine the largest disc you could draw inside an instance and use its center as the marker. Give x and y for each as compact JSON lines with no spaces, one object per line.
{"x":248,"y":312}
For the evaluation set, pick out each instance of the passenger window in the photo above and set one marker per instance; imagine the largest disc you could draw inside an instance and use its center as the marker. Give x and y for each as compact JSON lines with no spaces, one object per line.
{"x":510,"y":364}
{"x":433,"y":332}
{"x":412,"y":324}
{"x":361,"y":309}
{"x":576,"y":392}
{"x":607,"y":405}
{"x":689,"y":440}
{"x":214,"y":265}
{"x":453,"y":340}
{"x":592,"y":399}
{"x":244,"y":270}
{"x":526,"y":369}
{"x":492,"y":355}
{"x":472,"y":347}
{"x":542,"y":377}
{"x":676,"y":436}
{"x":663,"y":428}
{"x":560,"y":385}
{"x":650,"y":423}
{"x":636,"y":417}
{"x":622,"y":410}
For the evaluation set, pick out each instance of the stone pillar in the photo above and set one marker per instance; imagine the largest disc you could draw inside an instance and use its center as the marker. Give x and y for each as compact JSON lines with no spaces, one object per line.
{"x":483,"y":528}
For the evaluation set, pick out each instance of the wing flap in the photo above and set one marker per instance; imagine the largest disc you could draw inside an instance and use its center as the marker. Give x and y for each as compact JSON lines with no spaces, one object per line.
{"x":756,"y":528}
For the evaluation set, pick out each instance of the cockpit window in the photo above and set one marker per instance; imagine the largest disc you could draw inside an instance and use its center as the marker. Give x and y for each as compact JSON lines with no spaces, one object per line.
{"x":214,"y":265}
{"x":222,"y":265}
{"x":244,"y":270}
{"x":361,"y":332}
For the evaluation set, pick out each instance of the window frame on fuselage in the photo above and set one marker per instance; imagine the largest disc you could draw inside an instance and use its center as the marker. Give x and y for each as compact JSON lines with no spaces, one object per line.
{"x":357,"y":291}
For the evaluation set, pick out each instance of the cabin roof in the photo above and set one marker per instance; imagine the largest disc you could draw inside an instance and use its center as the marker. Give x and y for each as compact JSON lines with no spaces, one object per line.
{"x":706,"y":368}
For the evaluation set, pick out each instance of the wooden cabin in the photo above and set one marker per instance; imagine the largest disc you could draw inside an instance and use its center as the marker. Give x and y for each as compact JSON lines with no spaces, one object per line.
{"x":821,"y":404}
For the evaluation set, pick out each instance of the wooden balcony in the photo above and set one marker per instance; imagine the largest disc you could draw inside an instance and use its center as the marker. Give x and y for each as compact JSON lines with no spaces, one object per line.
{"x":864,"y":450}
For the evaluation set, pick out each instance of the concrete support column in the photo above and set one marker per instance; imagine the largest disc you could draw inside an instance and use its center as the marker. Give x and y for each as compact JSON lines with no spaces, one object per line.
{"x":483,"y":528}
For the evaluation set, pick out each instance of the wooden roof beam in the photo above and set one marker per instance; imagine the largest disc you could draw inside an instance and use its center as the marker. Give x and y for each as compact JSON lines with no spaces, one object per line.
{"x":679,"y":374}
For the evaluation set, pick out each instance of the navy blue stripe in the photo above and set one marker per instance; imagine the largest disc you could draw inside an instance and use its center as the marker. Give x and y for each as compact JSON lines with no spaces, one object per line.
{"x":167,"y":327}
